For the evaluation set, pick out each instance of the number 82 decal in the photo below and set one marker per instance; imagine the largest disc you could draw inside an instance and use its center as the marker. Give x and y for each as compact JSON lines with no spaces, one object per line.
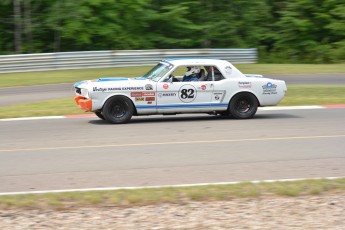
{"x":187,"y":93}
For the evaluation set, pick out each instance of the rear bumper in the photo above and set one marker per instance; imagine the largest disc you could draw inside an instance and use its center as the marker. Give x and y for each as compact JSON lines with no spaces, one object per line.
{"x":83,"y":103}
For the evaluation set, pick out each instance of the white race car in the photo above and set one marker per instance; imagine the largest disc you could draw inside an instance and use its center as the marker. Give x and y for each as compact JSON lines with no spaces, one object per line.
{"x":181,"y":85}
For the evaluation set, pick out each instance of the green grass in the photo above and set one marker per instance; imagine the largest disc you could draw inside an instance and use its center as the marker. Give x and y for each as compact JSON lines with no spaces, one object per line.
{"x":296,"y":95}
{"x":67,"y":76}
{"x":66,"y":106}
{"x":180,"y":195}
{"x":314,"y":95}
{"x":291,"y":68}
{"x":70,"y":76}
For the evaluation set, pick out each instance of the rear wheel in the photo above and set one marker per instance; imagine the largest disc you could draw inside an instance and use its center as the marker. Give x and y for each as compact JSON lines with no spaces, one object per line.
{"x":243,"y":106}
{"x":118,"y":110}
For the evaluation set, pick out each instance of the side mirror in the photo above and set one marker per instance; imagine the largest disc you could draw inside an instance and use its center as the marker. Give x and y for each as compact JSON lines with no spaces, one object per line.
{"x":170,"y":79}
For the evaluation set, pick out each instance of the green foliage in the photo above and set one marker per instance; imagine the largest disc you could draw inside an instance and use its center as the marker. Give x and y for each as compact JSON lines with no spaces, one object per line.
{"x":172,"y":25}
{"x":293,"y":31}
{"x":311,"y":31}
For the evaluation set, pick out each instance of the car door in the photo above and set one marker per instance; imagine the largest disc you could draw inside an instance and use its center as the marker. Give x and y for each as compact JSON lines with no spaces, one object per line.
{"x":182,"y":97}
{"x":219,"y":89}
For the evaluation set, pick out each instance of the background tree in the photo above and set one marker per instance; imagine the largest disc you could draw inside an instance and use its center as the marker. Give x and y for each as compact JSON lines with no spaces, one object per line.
{"x":17,"y":25}
{"x":283,"y":30}
{"x":173,"y":24}
{"x":309,"y":30}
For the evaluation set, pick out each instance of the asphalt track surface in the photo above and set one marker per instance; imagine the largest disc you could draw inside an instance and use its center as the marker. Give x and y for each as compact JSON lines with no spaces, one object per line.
{"x":29,"y":94}
{"x":80,"y":153}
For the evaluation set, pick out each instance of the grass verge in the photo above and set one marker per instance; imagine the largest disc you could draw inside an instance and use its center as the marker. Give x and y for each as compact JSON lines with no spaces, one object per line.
{"x":314,"y":95}
{"x":296,"y":95}
{"x":70,"y":76}
{"x":67,"y":76}
{"x":180,"y":195}
{"x":45,"y":108}
{"x":291,"y":68}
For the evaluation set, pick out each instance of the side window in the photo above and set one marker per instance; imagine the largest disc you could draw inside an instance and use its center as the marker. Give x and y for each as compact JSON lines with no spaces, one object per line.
{"x":202,"y":74}
{"x":188,"y":73}
{"x":212,"y":72}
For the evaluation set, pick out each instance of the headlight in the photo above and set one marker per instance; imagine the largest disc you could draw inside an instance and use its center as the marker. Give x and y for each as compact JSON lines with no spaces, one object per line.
{"x":85,"y":93}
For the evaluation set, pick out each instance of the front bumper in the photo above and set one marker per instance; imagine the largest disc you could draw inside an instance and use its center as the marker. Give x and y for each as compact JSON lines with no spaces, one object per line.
{"x":83,"y":103}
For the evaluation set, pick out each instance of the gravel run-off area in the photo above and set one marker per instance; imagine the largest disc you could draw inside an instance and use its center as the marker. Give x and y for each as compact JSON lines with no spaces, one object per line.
{"x":325,"y":211}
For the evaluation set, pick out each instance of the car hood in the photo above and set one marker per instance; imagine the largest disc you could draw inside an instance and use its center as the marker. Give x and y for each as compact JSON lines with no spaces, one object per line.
{"x":111,"y":81}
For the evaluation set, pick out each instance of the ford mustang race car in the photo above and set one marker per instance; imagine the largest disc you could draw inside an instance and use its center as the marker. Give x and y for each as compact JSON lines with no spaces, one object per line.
{"x":181,"y":85}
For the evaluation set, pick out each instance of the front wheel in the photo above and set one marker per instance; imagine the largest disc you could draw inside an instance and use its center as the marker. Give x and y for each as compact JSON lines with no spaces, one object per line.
{"x":118,"y":110}
{"x":100,"y":115}
{"x":243,"y":106}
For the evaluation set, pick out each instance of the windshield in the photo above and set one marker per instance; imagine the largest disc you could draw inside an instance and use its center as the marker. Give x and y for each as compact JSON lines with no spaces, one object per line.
{"x":158,"y":71}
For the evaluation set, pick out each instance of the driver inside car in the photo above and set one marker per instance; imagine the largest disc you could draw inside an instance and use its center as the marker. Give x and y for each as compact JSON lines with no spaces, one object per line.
{"x":191,"y":73}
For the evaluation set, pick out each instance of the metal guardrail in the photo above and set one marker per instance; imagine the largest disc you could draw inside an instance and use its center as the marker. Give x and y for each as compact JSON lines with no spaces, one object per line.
{"x":114,"y":58}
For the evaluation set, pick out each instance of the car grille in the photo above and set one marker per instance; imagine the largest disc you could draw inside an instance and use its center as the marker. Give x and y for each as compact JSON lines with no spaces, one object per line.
{"x":78,"y":90}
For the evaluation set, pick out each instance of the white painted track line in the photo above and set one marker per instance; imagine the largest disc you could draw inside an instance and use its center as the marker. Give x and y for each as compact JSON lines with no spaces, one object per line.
{"x":162,"y":186}
{"x":277,"y":108}
{"x":32,"y":118}
{"x":175,"y":142}
{"x":269,"y":108}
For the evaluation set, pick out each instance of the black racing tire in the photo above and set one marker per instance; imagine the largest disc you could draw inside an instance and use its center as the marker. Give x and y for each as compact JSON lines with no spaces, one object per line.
{"x":100,"y":115}
{"x":225,"y":114}
{"x":243,"y":106}
{"x":118,"y":110}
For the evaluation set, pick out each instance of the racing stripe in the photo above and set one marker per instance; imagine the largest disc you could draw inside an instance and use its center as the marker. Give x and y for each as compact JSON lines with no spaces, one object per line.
{"x":112,"y":79}
{"x":182,"y":106}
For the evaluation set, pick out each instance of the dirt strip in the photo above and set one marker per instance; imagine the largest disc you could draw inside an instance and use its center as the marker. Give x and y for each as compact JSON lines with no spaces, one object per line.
{"x":305,"y":212}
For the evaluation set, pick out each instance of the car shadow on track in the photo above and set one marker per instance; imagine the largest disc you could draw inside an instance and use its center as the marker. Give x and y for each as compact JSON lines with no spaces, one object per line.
{"x":195,"y":118}
{"x":275,"y":116}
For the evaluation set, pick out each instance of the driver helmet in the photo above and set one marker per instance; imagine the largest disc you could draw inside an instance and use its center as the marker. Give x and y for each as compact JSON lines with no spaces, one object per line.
{"x":192,"y":70}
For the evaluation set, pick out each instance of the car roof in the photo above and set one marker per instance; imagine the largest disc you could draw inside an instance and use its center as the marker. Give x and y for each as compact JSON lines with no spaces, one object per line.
{"x":196,"y":61}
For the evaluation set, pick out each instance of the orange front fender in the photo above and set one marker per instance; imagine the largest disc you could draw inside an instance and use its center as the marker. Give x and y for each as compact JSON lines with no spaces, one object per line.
{"x":83,"y":103}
